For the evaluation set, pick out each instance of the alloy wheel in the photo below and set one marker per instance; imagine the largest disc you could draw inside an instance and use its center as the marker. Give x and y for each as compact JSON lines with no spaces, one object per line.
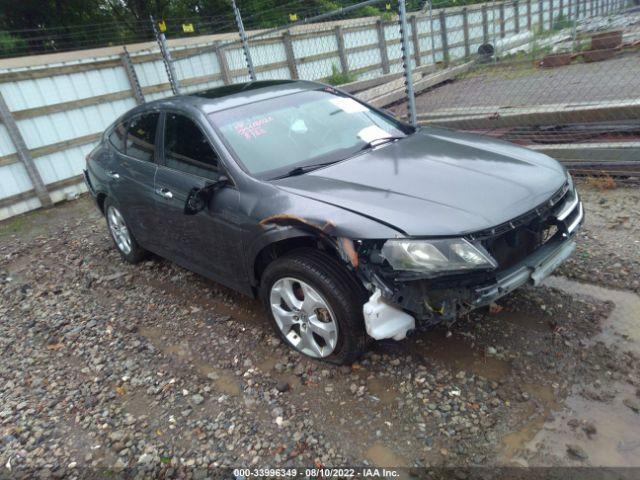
{"x":119,"y":230}
{"x":304,"y":317}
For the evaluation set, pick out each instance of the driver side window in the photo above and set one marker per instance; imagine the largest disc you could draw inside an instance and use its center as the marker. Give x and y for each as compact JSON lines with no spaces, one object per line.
{"x":187,"y":149}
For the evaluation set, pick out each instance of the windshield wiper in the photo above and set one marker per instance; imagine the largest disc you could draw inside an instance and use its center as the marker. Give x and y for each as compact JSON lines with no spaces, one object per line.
{"x":382,"y":141}
{"x":304,"y":169}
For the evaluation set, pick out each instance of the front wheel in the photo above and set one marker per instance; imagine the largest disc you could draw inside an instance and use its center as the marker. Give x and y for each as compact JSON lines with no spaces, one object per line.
{"x":315,"y":306}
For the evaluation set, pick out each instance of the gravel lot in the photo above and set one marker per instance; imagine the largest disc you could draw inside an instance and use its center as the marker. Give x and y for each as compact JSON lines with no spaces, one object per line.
{"x":108,"y":366}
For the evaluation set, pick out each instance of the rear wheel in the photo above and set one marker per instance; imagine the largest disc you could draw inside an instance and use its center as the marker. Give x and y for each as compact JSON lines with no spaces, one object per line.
{"x":122,"y":237}
{"x":315,"y":306}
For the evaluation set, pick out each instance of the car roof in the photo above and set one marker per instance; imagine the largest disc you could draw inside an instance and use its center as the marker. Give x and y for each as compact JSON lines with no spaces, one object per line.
{"x":229,"y":96}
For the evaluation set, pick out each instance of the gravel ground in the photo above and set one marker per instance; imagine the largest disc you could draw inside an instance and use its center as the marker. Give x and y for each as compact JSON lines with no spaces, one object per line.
{"x":149,"y":368}
{"x":609,"y":244}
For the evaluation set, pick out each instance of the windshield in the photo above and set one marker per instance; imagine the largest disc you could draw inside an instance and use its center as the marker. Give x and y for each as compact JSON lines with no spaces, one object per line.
{"x":273,"y":136}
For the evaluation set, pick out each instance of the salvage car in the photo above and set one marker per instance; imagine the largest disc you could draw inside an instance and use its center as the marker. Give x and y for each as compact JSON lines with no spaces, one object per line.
{"x":349,"y":224}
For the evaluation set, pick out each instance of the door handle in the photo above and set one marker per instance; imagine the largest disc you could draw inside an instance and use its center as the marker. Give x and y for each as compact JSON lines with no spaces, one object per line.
{"x":114,"y":175}
{"x":164,"y":193}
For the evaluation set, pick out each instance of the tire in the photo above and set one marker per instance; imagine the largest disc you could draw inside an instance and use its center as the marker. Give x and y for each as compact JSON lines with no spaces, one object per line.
{"x":130,"y":251}
{"x":335,"y":286}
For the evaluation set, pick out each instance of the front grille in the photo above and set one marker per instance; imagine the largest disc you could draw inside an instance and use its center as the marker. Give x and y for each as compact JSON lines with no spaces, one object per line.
{"x":541,"y":210}
{"x":513,"y":241}
{"x":512,"y":247}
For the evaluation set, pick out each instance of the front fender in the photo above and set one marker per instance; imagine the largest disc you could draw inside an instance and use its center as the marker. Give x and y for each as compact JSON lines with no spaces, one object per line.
{"x":268,"y":237}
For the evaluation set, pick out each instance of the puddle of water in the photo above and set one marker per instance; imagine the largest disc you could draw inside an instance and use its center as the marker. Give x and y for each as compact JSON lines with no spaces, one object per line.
{"x":383,"y":388}
{"x":543,"y":393}
{"x":624,"y":321}
{"x":515,"y":442}
{"x":225,"y":382}
{"x":457,"y":353}
{"x":267,"y":364}
{"x":616,"y":442}
{"x":382,"y":456}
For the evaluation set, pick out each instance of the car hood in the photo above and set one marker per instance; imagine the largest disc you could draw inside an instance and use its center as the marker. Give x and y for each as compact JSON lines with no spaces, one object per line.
{"x":436,"y":182}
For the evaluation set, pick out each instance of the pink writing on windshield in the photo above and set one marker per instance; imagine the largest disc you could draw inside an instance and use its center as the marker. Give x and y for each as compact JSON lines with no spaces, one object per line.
{"x":252,"y":129}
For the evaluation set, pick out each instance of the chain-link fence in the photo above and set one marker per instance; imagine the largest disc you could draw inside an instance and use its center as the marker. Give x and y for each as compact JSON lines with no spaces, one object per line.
{"x":559,"y":76}
{"x":356,"y":47}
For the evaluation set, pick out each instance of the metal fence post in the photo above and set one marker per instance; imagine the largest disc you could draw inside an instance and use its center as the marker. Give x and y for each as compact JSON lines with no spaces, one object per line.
{"x":529,"y":15}
{"x":23,"y":154}
{"x":344,"y":63}
{"x":443,"y":38}
{"x":574,"y":27}
{"x":485,"y":24}
{"x":382,"y":45}
{"x":541,"y":15}
{"x":416,"y":41}
{"x":406,"y":63}
{"x":125,"y":58}
{"x":502,"y":22}
{"x":291,"y":58}
{"x":166,"y":58}
{"x":243,"y":39}
{"x":465,"y":33}
{"x":516,"y":16}
{"x":224,"y":66}
{"x":431,"y":34}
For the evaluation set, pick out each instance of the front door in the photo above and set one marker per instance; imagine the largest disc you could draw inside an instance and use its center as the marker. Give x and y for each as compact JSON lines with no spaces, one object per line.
{"x":207,"y":242}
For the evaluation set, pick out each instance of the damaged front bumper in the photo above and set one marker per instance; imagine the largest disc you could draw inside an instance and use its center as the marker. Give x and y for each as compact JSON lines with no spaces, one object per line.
{"x":532,"y":270}
{"x":442,"y":300}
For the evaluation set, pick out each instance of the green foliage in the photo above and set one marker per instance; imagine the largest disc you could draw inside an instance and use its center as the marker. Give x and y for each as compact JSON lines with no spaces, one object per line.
{"x":338,"y":77}
{"x":560,"y":22}
{"x":10,"y":45}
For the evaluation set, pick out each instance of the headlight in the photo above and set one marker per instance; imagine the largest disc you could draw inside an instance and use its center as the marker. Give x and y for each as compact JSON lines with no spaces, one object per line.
{"x":570,"y":182}
{"x":436,"y":256}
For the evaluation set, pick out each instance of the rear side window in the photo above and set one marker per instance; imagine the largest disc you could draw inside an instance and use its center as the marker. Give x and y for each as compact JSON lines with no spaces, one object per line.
{"x":187,"y":149}
{"x":117,"y":137}
{"x":141,"y":137}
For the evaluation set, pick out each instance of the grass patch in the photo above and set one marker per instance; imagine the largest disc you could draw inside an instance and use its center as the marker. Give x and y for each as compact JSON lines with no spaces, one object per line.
{"x":13,"y":225}
{"x":338,"y":77}
{"x":602,"y":182}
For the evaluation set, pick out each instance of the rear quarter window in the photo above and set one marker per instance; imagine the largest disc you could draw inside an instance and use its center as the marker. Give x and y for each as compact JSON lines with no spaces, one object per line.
{"x":117,"y":137}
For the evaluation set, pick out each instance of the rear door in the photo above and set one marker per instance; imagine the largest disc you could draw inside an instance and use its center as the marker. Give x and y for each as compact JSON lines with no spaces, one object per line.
{"x":209,"y":241}
{"x":132,"y":174}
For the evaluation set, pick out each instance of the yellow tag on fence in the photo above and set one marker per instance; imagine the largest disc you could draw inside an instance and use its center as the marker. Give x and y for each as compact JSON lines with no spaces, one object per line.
{"x":162,"y":26}
{"x":187,"y":27}
{"x":388,"y":6}
{"x":293,"y":17}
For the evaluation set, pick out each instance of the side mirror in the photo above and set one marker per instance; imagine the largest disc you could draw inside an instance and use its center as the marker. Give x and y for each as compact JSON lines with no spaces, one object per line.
{"x":198,"y":198}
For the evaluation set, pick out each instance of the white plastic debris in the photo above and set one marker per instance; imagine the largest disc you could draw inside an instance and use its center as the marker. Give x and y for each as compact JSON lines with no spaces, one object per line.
{"x":384,"y":321}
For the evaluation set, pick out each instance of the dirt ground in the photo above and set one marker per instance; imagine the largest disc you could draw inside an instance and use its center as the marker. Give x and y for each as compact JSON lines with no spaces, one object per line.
{"x":106,"y":366}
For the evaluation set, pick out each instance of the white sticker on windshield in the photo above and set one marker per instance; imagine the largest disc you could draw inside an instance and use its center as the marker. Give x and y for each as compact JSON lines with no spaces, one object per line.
{"x":373,"y":133}
{"x":348,"y":105}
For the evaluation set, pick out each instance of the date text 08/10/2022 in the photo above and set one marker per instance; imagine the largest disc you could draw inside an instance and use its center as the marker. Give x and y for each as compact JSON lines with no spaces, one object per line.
{"x":366,"y":472}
